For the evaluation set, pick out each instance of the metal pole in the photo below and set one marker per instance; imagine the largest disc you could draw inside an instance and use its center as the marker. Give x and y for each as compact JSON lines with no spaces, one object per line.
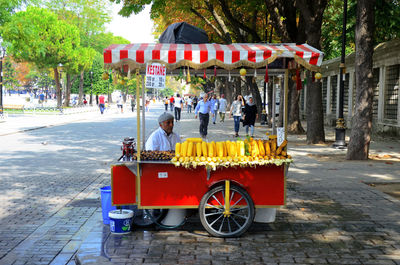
{"x":274,"y":108}
{"x":1,"y":82}
{"x":143,"y":114}
{"x":138,"y":136}
{"x":285,"y":101}
{"x":340,"y":130}
{"x":138,"y":116}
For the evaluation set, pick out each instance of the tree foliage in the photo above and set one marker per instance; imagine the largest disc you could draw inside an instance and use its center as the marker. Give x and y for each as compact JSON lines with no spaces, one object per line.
{"x":36,"y":35}
{"x":387,"y":24}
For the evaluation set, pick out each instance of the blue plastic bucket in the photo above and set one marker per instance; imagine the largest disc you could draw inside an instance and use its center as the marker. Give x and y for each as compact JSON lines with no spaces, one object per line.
{"x":106,"y":203}
{"x":120,"y":221}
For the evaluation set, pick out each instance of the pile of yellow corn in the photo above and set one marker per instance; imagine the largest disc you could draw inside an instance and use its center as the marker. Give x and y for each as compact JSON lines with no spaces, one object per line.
{"x":250,"y":152}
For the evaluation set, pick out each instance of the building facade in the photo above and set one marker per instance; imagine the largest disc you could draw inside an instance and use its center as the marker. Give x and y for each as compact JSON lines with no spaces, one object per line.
{"x":386,"y":76}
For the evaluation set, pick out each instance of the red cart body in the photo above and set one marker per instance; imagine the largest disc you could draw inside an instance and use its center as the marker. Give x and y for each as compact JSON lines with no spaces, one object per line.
{"x":162,"y":185}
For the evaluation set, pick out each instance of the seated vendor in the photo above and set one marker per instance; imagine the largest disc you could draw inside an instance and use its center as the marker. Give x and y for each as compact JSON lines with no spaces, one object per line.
{"x":163,"y":139}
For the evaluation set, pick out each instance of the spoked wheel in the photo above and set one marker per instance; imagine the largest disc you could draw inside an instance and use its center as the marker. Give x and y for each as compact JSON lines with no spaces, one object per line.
{"x":226,"y":211}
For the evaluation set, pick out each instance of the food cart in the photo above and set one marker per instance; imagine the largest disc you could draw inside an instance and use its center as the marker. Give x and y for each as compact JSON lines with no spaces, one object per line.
{"x":227,"y":196}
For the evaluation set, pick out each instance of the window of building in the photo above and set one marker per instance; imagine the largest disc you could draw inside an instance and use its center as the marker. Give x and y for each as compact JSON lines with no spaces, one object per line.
{"x":346,"y":95}
{"x":324,"y":92}
{"x":376,"y":93}
{"x":333,"y":93}
{"x":392,"y":92}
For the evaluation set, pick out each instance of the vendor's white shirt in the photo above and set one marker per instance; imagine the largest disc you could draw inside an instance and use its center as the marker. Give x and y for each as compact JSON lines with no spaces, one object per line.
{"x":160,"y":141}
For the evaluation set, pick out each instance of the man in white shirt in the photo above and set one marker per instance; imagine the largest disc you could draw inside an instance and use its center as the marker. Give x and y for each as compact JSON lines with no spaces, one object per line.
{"x":222,"y":108}
{"x":189,"y":104}
{"x":163,"y":139}
{"x":178,"y":107}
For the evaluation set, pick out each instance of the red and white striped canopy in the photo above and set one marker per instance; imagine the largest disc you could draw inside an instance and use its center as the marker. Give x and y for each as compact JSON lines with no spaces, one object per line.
{"x":200,"y":56}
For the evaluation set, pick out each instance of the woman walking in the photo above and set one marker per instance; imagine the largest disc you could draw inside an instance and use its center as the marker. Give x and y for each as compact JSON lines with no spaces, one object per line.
{"x":236,"y":111}
{"x":250,"y":116}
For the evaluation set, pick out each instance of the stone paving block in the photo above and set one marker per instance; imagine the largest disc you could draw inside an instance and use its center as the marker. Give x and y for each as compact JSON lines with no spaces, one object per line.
{"x":377,"y":262}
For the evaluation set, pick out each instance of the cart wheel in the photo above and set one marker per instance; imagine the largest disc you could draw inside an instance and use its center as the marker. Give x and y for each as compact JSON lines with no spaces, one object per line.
{"x":142,"y":218}
{"x":231,"y":222}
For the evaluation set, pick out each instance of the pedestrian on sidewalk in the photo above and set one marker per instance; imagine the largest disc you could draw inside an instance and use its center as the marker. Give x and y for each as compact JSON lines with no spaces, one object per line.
{"x":195,"y":100}
{"x":250,"y":115}
{"x":166,"y":102}
{"x":222,"y":108}
{"x":120,"y":104}
{"x":101,"y":104}
{"x":204,"y":108}
{"x":133,"y":103}
{"x":214,"y":104}
{"x":147,"y":104}
{"x":189,"y":104}
{"x":171,"y":103}
{"x":236,"y":111}
{"x":178,"y":107}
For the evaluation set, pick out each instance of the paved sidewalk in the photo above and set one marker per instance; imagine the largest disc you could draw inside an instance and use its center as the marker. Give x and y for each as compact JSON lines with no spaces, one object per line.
{"x":331,"y":216}
{"x":16,"y":123}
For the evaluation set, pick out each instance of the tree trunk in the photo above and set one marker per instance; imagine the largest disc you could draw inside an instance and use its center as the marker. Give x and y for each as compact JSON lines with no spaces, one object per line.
{"x":315,"y":115}
{"x":294,"y":124}
{"x":360,"y":136}
{"x":67,"y":91}
{"x":255,"y":92}
{"x":80,"y":101}
{"x":228,"y":92}
{"x":58,"y":88}
{"x":125,"y":95}
{"x":312,"y":13}
{"x":238,"y":87}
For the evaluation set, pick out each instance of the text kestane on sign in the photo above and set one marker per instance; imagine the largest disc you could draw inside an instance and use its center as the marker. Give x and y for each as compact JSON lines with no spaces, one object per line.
{"x":155,"y":75}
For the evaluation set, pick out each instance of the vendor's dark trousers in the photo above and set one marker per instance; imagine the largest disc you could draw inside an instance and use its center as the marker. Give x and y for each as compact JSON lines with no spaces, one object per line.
{"x":177,"y":114}
{"x":166,"y":107}
{"x":204,"y":119}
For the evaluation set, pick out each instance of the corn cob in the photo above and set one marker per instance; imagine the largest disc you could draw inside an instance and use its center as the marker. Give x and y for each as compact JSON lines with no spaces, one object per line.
{"x":261,"y":148}
{"x":237,"y":148}
{"x":273,"y":146}
{"x":267,"y":148}
{"x":214,"y":154}
{"x":224,"y":149}
{"x":195,"y":140}
{"x":204,"y":149}
{"x":184,"y":147}
{"x":228,"y":148}
{"x":242,"y":149}
{"x":189,"y":151}
{"x":177,"y":149}
{"x":210,"y":150}
{"x":248,"y":146}
{"x":198,"y":149}
{"x":220,"y":149}
{"x":232,"y":147}
{"x":280,"y":148}
{"x":254,"y":149}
